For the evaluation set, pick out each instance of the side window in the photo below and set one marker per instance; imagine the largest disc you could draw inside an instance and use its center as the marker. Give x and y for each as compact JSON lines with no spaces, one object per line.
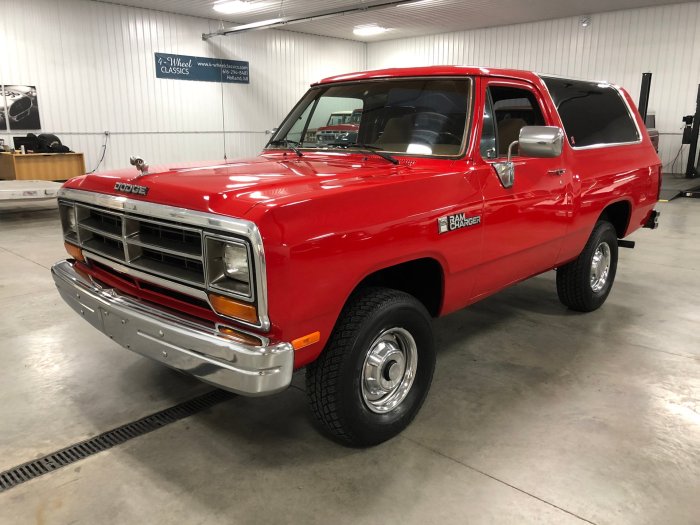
{"x":513,"y":109}
{"x":592,"y":113}
{"x":488,"y":131}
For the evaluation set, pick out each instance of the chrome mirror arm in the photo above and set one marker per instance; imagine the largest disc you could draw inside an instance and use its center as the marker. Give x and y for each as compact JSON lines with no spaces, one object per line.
{"x":506,"y":170}
{"x":510,"y":150}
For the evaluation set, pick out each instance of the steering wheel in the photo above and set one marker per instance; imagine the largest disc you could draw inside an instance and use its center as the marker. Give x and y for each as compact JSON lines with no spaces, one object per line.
{"x":447,"y":137}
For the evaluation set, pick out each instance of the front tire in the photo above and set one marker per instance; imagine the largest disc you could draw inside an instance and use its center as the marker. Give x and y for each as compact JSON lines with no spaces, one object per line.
{"x":375,"y":372}
{"x":585,"y":283}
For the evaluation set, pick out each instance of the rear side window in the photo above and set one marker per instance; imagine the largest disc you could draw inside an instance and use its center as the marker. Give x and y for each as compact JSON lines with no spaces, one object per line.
{"x":592,"y":113}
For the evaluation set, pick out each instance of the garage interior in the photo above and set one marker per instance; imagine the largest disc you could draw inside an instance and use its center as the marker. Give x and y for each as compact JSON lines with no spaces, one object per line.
{"x":536,"y":414}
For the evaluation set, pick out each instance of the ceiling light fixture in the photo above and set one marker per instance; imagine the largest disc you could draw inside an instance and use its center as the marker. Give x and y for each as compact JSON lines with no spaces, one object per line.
{"x":417,"y":2}
{"x":369,"y":30}
{"x":235,"y":6}
{"x":258,"y":25}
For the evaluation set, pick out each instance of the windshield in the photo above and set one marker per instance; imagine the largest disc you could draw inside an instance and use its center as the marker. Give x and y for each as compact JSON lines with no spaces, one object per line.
{"x":426,"y":116}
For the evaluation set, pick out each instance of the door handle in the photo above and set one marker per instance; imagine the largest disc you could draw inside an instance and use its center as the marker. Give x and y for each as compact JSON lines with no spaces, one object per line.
{"x":558,"y":172}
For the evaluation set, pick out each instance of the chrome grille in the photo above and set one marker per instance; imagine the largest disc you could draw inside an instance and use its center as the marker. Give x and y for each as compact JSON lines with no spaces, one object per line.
{"x":169,"y":250}
{"x":164,"y":246}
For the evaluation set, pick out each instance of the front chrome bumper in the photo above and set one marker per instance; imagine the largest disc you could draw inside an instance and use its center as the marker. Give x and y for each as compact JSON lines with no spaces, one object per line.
{"x":176,"y":341}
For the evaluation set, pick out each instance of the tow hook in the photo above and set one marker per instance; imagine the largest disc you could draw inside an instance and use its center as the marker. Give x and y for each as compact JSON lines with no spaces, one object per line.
{"x":622,"y":243}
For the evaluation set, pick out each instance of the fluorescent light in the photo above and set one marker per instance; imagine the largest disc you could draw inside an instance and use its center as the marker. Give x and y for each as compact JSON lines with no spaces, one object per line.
{"x":236,"y":6}
{"x":255,"y":25}
{"x":369,"y":30}
{"x":417,"y":2}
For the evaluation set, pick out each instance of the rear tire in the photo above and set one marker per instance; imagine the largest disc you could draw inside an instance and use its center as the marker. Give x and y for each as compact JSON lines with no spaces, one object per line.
{"x":585,"y":283}
{"x":375,"y":372}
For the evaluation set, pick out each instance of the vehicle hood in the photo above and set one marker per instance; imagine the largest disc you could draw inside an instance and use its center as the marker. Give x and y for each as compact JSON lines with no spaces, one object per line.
{"x":235,"y":187}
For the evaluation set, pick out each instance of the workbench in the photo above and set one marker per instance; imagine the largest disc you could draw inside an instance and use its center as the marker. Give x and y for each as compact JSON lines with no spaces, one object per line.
{"x":41,"y":166}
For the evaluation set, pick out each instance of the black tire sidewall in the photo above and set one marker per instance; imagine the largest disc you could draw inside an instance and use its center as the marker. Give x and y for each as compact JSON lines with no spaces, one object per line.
{"x":371,"y":427}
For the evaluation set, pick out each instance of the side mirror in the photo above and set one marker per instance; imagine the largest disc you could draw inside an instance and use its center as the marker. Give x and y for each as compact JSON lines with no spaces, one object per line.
{"x":540,"y":141}
{"x":533,"y":141}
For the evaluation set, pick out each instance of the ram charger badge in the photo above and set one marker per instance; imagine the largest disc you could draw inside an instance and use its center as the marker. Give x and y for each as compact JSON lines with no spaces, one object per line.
{"x":454,"y":222}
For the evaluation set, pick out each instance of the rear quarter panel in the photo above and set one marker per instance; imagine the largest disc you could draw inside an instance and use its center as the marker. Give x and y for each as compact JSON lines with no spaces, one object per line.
{"x":604,"y":175}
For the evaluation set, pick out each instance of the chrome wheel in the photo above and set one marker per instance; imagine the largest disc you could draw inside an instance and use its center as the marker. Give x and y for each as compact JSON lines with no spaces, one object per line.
{"x":600,"y":267}
{"x":389,"y":370}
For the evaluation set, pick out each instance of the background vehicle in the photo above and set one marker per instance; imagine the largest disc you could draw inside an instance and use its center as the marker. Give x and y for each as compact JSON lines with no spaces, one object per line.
{"x":335,"y":256}
{"x":341,"y":127}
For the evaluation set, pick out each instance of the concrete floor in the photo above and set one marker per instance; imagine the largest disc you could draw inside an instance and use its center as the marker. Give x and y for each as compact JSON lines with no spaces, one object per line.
{"x":536,"y":414}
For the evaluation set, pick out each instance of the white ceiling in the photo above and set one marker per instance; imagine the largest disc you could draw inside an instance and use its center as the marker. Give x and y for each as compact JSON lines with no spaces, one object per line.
{"x":426,"y":17}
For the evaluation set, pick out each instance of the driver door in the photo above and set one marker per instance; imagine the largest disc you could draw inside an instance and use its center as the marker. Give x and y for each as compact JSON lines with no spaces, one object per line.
{"x":524,"y":225}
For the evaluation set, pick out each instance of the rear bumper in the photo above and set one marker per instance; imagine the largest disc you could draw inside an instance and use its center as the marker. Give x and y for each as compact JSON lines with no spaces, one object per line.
{"x":176,"y":341}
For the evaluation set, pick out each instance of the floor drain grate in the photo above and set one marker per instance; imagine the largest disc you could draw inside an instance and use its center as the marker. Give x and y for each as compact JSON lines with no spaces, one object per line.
{"x":54,"y":461}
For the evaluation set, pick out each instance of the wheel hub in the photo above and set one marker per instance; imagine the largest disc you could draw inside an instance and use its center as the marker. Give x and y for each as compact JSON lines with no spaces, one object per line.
{"x":600,"y":267}
{"x":389,"y":370}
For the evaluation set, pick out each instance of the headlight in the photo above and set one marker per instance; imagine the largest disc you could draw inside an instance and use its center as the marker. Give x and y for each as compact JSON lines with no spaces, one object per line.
{"x":236,"y":262}
{"x":228,"y":266}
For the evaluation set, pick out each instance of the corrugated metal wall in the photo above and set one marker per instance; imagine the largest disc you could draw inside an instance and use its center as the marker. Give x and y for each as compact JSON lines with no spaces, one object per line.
{"x":92,"y":63}
{"x":617,"y":46}
{"x":94,"y":69}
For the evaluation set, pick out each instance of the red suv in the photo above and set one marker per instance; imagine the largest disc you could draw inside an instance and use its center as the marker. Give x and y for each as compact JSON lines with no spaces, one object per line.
{"x":335,"y":256}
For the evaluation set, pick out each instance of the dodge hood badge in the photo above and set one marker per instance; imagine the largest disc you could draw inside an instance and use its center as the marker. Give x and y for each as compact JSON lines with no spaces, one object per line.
{"x":125,"y":187}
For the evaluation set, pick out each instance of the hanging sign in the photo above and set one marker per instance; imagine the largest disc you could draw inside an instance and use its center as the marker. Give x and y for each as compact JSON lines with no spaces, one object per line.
{"x":185,"y":67}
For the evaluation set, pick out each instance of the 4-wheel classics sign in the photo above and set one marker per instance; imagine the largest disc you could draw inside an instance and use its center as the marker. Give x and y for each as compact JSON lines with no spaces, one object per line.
{"x":204,"y":69}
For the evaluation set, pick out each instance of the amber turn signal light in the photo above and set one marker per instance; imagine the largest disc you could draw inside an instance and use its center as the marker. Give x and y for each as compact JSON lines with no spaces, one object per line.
{"x":239,"y":336}
{"x":307,"y":340}
{"x":232,"y":308}
{"x":74,"y":251}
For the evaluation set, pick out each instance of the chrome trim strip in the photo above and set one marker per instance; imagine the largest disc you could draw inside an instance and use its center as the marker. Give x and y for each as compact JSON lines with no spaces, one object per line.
{"x":183,"y":343}
{"x":236,"y":226}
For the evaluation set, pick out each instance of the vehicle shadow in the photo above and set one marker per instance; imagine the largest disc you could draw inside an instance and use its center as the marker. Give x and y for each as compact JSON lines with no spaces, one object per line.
{"x":493,"y":366}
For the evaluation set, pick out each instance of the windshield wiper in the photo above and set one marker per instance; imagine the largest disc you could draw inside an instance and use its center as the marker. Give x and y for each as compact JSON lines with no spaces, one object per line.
{"x":366,"y":148}
{"x":290,"y":144}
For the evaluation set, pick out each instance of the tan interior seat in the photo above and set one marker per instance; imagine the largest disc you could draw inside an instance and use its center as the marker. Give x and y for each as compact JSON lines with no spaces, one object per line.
{"x":397,"y":131}
{"x":508,"y":131}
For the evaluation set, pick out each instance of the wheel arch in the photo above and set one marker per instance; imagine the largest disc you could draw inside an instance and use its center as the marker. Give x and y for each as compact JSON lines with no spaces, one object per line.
{"x":618,"y":214}
{"x":423,"y":278}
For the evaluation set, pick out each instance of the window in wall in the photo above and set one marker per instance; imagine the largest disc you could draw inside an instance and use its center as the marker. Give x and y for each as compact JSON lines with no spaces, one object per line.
{"x":592,"y":113}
